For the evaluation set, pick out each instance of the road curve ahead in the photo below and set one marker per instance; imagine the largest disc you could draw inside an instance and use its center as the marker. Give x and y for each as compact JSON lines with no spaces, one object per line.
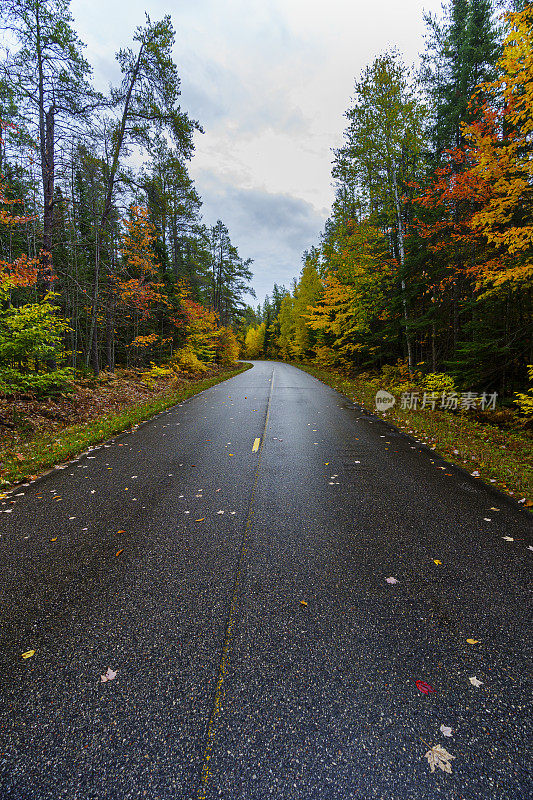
{"x":229,"y":561}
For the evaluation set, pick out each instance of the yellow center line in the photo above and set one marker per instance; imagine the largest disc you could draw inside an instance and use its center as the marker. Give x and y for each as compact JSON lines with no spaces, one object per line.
{"x":255,"y":448}
{"x":226,"y":648}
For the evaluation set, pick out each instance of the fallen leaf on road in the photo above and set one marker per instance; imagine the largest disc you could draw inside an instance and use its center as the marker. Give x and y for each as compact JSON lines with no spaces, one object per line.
{"x":439,"y":757}
{"x":475,"y":682}
{"x":473,"y":641}
{"x":391,"y":580}
{"x":54,"y":539}
{"x":110,"y":675}
{"x":119,"y":552}
{"x":424,"y":687}
{"x":437,"y":562}
{"x":200,"y":520}
{"x":303,"y":602}
{"x":494,"y":509}
{"x":230,"y":454}
{"x":445,"y":730}
{"x":28,"y":654}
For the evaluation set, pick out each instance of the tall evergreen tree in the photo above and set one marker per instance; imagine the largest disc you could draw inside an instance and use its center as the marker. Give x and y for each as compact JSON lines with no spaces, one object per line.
{"x":461,"y":52}
{"x":48,"y":74}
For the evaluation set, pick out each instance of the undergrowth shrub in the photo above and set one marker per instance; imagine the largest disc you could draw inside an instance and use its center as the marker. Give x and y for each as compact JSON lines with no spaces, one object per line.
{"x":438,"y":382}
{"x":187,"y":360}
{"x":524,"y":400}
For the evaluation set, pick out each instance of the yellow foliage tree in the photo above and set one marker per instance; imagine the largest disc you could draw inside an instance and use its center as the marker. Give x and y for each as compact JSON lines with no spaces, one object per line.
{"x":500,"y":144}
{"x":306,"y":294}
{"x":254,"y":341}
{"x":354,"y":290}
{"x":227,"y":346}
{"x":286,"y":325}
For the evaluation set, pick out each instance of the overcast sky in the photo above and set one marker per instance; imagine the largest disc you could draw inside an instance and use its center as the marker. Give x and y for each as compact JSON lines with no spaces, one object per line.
{"x":269,"y":81}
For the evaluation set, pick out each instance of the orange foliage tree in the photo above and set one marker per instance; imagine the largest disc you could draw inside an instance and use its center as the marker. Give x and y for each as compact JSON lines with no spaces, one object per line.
{"x":22,"y":271}
{"x":501,"y":145}
{"x":139,"y":286}
{"x":485,"y":190}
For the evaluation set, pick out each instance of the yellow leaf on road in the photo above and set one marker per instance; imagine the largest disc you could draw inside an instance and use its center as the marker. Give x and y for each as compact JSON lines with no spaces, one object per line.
{"x":120,"y":551}
{"x":28,"y":654}
{"x":473,"y":641}
{"x":54,"y":539}
{"x":437,"y":562}
{"x":200,"y":520}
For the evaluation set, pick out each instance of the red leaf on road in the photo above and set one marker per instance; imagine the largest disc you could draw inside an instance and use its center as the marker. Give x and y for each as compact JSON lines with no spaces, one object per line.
{"x":424,"y":687}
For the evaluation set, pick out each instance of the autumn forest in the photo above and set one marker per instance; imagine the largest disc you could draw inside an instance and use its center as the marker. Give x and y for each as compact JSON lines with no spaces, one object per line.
{"x":427,"y":257}
{"x":103,"y":262}
{"x":425,"y":261}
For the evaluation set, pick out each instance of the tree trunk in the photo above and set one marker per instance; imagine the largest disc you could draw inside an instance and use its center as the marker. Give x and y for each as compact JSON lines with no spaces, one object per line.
{"x":402,"y":262}
{"x":92,"y":344}
{"x":48,"y":197}
{"x":110,"y":335}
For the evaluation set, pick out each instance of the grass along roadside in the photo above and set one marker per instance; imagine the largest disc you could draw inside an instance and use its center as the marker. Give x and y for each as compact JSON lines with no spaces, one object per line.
{"x":41,"y":451}
{"x":500,"y":458}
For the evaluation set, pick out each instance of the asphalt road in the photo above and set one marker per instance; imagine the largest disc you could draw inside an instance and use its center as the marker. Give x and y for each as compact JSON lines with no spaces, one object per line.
{"x":241,"y":598}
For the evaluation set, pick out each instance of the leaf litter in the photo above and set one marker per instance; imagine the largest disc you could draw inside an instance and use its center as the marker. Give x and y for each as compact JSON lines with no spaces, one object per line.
{"x":438,"y":756}
{"x":109,"y":675}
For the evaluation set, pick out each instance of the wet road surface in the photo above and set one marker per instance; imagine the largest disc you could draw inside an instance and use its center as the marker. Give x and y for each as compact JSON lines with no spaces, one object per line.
{"x":229,"y":561}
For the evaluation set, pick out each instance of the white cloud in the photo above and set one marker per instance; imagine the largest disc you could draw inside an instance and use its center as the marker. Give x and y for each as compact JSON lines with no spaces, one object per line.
{"x":269,"y":80}
{"x":273,"y":229}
